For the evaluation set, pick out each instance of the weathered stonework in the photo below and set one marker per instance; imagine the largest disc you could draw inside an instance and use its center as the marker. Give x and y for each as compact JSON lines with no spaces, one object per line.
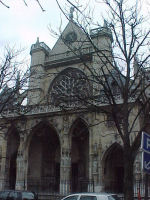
{"x":53,"y":150}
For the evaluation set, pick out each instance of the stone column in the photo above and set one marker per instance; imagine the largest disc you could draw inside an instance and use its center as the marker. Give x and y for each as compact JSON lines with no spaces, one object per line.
{"x":94,"y":143}
{"x":97,"y":167}
{"x":20,"y":172}
{"x":65,"y":171}
{"x":91,"y":184}
{"x":3,"y":173}
{"x":100,"y":169}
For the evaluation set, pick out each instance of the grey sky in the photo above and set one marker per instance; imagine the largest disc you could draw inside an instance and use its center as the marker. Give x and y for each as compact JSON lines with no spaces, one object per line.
{"x":21,"y":25}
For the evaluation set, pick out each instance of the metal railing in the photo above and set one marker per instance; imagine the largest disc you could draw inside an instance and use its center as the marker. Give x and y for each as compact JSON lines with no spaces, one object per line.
{"x":52,"y":185}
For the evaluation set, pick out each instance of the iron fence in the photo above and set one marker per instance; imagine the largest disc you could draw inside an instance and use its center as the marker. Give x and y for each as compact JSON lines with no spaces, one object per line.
{"x":44,"y":185}
{"x":52,"y":187}
{"x":142,"y":188}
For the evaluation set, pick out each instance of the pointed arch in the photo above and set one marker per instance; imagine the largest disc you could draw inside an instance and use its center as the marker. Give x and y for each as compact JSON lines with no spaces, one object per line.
{"x":44,"y":158}
{"x":13,"y":142}
{"x":40,"y":126}
{"x":113,"y":168}
{"x":77,"y":121}
{"x":109,"y":150}
{"x":79,"y":155}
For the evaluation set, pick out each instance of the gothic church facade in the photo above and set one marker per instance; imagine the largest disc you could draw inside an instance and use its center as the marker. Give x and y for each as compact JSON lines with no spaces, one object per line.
{"x":53,"y":149}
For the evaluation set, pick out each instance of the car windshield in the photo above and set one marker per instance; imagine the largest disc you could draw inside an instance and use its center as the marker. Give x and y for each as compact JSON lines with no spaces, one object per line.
{"x":85,"y":197}
{"x":28,"y":195}
{"x":113,"y":197}
{"x":74,"y":197}
{"x":4,"y":194}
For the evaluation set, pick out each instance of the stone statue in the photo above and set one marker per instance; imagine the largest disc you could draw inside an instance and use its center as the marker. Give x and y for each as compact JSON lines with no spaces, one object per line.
{"x":71,"y":13}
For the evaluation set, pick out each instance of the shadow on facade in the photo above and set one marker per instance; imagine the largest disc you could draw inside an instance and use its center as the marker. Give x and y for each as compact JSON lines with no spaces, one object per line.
{"x":13,"y":141}
{"x":44,"y":160}
{"x":80,"y":157}
{"x":113,"y":169}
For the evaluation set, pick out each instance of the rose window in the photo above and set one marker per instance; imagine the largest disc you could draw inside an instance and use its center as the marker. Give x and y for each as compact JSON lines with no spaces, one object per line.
{"x":70,"y":87}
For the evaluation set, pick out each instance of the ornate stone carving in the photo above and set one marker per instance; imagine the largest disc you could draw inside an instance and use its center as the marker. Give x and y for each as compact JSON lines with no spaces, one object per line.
{"x":69,"y":88}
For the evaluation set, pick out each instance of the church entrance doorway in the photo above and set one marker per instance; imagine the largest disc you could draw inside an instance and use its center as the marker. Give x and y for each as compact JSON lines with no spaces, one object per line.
{"x":12,"y":151}
{"x":80,"y":157}
{"x":113,"y":169}
{"x":44,"y":160}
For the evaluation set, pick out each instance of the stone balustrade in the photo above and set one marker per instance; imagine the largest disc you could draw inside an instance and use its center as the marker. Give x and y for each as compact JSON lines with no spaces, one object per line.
{"x":69,"y":54}
{"x":40,"y":45}
{"x":29,"y":110}
{"x":43,"y":109}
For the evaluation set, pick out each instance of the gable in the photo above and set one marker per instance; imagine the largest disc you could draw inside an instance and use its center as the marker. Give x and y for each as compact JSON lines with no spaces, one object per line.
{"x":72,"y":37}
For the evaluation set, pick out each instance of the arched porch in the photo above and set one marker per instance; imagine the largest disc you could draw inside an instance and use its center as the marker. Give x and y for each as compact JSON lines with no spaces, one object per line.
{"x":79,"y":157}
{"x":13,"y":141}
{"x":44,"y":160}
{"x":113,"y":169}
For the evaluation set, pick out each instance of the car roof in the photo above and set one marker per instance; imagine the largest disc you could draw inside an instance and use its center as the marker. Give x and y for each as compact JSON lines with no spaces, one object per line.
{"x":16,"y":191}
{"x":93,"y":193}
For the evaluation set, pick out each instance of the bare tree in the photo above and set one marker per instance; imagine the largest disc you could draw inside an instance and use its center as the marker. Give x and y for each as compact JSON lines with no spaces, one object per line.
{"x":2,"y":2}
{"x":120,"y":84}
{"x":14,"y":76}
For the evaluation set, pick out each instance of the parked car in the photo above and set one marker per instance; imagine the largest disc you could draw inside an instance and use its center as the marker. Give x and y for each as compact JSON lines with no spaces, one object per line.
{"x":18,"y":195}
{"x":92,"y":196}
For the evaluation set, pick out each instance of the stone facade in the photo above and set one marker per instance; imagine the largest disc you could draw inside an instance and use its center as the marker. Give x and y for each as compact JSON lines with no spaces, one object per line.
{"x":56,"y":150}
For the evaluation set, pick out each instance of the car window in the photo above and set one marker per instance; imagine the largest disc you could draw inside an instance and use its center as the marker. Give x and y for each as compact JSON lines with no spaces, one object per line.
{"x":12,"y":195}
{"x":28,"y":195}
{"x":84,"y":197}
{"x":3,"y":195}
{"x":74,"y":197}
{"x":113,"y":197}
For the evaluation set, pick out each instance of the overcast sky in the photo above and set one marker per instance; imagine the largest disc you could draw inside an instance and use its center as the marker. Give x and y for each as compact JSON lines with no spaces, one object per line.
{"x":21,"y":25}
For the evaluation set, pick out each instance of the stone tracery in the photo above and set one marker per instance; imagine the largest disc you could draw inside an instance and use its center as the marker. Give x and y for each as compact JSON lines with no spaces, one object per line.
{"x":68,"y":87}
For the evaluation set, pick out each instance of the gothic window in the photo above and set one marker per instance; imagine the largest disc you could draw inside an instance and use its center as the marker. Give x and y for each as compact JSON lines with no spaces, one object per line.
{"x":70,"y":87}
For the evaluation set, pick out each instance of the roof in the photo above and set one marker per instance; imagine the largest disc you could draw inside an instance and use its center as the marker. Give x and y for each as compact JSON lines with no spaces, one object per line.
{"x":92,"y":193}
{"x":9,"y":190}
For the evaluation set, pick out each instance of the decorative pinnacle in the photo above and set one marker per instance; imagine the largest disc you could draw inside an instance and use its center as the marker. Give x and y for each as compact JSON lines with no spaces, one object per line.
{"x":37,"y":41}
{"x":105,"y":23}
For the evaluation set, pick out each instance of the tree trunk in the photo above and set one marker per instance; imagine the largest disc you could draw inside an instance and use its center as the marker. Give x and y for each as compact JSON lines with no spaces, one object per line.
{"x":128,"y":174}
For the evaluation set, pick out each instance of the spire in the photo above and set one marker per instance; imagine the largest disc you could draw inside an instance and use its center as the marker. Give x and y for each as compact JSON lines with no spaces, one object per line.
{"x":105,"y":23}
{"x":37,"y":41}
